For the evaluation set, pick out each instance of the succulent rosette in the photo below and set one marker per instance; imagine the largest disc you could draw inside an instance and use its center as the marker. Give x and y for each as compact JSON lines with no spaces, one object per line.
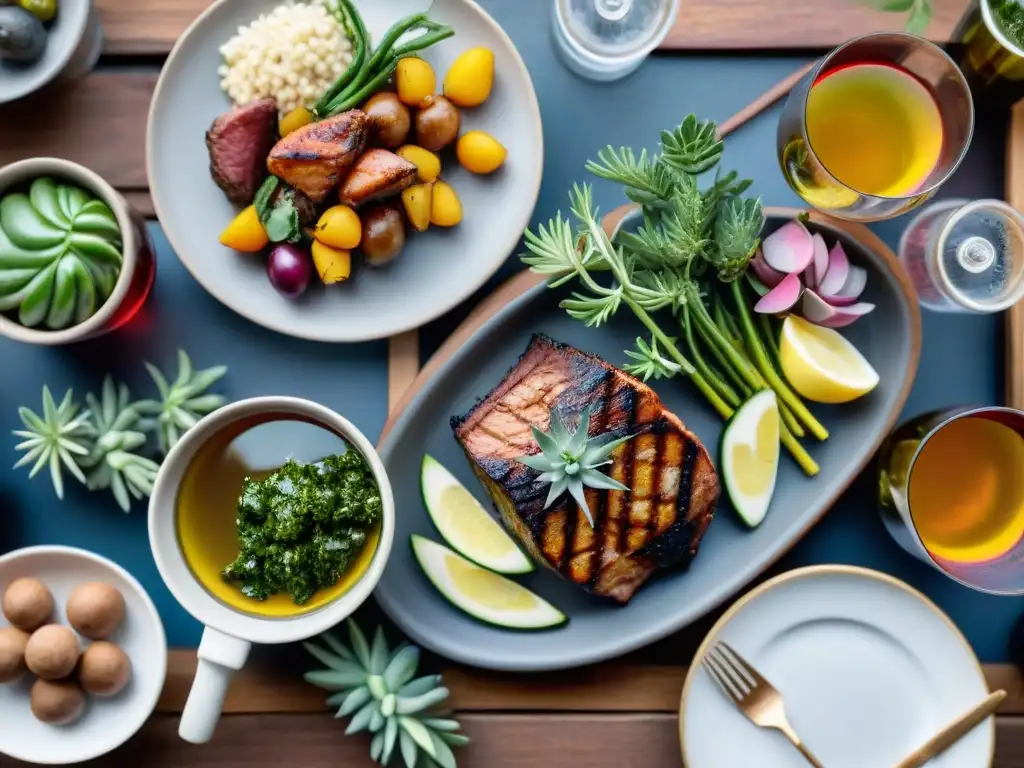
{"x":60,"y":254}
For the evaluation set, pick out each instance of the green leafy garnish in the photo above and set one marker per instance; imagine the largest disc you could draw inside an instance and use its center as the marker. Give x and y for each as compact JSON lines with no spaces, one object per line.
{"x":303,"y":526}
{"x":277,"y":211}
{"x":684,"y":260}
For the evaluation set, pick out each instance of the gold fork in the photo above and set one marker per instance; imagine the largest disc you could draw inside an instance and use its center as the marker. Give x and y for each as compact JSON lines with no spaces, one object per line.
{"x":753,"y":695}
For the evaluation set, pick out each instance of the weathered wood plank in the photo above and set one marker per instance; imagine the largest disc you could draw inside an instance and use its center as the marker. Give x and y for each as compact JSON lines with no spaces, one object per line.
{"x":100,"y":123}
{"x":133,"y":27}
{"x":499,"y":741}
{"x":275,"y":685}
{"x":1015,"y":315}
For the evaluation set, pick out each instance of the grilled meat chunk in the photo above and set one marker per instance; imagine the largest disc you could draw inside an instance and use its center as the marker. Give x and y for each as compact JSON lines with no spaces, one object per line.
{"x":315,"y":158}
{"x":377,"y":173}
{"x":238,"y":143}
{"x":673,"y":488}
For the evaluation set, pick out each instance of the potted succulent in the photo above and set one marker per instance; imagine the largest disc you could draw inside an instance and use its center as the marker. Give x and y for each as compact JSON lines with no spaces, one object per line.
{"x":75,"y":261}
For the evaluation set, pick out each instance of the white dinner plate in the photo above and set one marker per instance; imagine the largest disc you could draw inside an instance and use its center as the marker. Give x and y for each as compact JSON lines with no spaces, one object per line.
{"x":868,"y":667}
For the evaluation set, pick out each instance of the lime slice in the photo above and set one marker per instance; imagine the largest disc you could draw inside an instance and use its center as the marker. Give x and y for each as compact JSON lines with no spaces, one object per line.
{"x":750,"y":456}
{"x":822,"y":365}
{"x":482,"y":594}
{"x":465,"y":525}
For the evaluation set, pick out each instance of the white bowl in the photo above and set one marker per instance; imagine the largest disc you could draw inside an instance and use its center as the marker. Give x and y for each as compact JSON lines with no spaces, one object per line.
{"x":107,"y":723}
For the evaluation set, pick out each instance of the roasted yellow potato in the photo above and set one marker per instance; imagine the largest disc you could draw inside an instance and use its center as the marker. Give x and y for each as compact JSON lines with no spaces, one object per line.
{"x":245,"y":232}
{"x":445,"y":206}
{"x":479,"y":152}
{"x":415,"y":81}
{"x":417,"y":201}
{"x":339,"y":227}
{"x":428,"y":165}
{"x":471,"y":77}
{"x":334,"y":265}
{"x":297,"y":118}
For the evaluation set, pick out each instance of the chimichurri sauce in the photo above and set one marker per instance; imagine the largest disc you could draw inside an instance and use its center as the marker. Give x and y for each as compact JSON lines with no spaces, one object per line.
{"x":303,"y":526}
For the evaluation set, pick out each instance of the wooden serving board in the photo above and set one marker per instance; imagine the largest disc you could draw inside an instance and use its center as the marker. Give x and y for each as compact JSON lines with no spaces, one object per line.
{"x":151,"y":27}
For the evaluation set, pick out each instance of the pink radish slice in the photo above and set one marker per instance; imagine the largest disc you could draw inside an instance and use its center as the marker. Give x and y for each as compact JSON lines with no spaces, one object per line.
{"x":815,"y":273}
{"x":759,"y":288}
{"x":789,"y":249}
{"x":815,"y":309}
{"x":781,"y":297}
{"x":844,"y":316}
{"x":838,"y":271}
{"x":765,"y":274}
{"x":854,"y":286}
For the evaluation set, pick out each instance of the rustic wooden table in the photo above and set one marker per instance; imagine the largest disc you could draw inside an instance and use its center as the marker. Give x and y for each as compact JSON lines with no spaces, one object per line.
{"x":620,"y":713}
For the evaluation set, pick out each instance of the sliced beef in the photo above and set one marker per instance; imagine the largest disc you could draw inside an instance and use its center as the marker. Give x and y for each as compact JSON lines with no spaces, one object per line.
{"x":239,"y":142}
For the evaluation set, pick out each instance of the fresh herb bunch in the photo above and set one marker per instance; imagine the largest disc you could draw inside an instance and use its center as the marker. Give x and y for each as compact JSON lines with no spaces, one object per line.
{"x":375,"y":687}
{"x":300,"y":528}
{"x":107,"y":445}
{"x":685,"y":259}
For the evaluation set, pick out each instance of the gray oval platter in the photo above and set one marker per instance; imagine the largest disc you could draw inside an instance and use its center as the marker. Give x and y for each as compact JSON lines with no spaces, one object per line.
{"x":730,"y":555}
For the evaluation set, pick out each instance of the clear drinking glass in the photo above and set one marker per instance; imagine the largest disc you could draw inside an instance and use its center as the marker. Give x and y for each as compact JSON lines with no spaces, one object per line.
{"x":925,"y":62}
{"x":973,"y":533}
{"x":607,"y":39}
{"x":966,"y":256}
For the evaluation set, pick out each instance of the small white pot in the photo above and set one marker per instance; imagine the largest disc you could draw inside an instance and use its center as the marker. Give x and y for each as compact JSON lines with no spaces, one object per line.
{"x":229,"y":633}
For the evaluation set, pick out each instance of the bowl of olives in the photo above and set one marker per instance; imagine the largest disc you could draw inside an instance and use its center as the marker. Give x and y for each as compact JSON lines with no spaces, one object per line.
{"x":45,"y":40}
{"x":83,"y":655}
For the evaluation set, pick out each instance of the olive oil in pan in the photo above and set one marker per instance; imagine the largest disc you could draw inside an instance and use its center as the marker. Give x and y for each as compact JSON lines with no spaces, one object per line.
{"x":208,"y":502}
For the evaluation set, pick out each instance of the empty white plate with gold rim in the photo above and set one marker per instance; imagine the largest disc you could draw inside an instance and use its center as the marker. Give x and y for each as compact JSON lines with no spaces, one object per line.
{"x":869,"y":669}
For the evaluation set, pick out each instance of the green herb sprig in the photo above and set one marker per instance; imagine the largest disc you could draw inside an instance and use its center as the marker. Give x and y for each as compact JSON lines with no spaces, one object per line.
{"x":684,"y":260}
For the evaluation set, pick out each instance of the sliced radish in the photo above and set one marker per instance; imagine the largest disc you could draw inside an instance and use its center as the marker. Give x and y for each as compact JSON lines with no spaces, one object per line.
{"x":759,"y":288}
{"x":844,"y":316}
{"x":854,"y":286}
{"x":789,"y":249}
{"x":765,"y":274}
{"x":815,"y":309}
{"x":819,"y":264}
{"x":838,"y":270}
{"x":781,"y":297}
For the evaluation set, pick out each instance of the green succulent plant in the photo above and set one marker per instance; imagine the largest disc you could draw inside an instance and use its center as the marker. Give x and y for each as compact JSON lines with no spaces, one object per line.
{"x":183,"y":402}
{"x":58,"y":438}
{"x":375,"y":687}
{"x":570,"y":461}
{"x":60,"y":254}
{"x":113,"y":461}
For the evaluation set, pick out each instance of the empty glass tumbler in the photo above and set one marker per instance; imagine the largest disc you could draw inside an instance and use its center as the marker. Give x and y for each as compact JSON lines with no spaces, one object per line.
{"x":965,"y":256}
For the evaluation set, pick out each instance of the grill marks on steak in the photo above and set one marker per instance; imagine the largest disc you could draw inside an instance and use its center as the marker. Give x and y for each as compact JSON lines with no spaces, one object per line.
{"x":673,"y":487}
{"x":317,"y":157}
{"x":238,"y":143}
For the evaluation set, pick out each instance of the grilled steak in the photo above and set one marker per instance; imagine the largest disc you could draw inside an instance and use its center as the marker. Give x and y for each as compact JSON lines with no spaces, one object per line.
{"x":658,"y":523}
{"x":378,"y":173}
{"x":316,"y":157}
{"x":238,"y":143}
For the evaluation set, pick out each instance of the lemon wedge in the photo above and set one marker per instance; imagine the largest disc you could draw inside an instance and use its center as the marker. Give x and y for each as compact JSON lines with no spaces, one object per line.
{"x":821,"y":365}
{"x":750,"y":456}
{"x":465,"y":525}
{"x":482,"y":594}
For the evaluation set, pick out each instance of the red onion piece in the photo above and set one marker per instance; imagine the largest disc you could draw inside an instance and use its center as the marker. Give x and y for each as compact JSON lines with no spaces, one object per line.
{"x":854,"y":286}
{"x":765,"y":274}
{"x":838,"y":270}
{"x":815,"y":309}
{"x":781,"y":297}
{"x":819,"y":264}
{"x":789,"y":249}
{"x":844,"y":316}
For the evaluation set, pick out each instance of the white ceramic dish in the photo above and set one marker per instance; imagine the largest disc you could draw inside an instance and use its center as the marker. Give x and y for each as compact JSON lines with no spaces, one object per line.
{"x":437,"y":270}
{"x":107,"y":723}
{"x":868,"y":667}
